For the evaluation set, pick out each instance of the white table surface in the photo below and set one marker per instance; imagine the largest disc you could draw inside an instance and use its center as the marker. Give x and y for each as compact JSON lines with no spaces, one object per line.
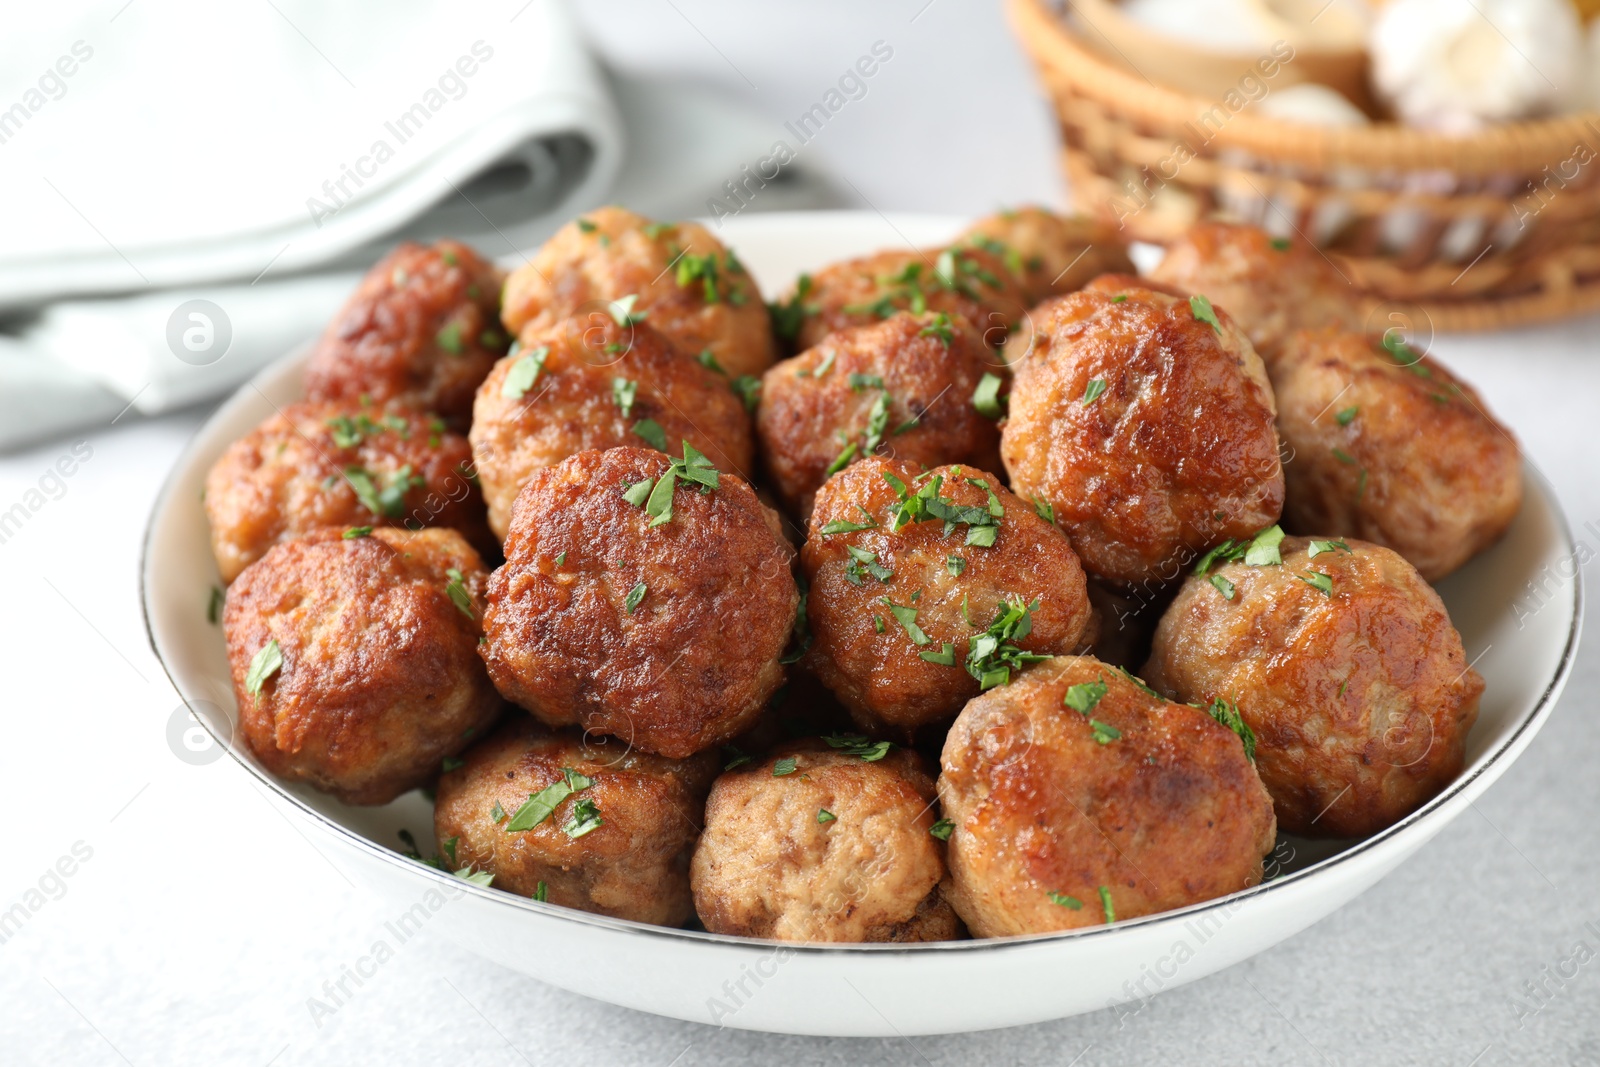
{"x":201,"y":921}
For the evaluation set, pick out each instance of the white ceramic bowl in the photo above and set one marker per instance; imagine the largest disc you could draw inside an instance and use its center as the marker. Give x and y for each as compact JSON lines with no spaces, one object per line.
{"x":1521,"y":641}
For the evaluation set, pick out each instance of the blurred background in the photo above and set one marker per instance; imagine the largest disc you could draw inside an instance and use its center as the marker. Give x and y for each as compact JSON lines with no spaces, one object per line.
{"x":193,"y":189}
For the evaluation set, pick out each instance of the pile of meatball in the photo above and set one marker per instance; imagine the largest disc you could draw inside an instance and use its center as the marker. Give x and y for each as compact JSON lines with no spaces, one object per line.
{"x":982,"y":590}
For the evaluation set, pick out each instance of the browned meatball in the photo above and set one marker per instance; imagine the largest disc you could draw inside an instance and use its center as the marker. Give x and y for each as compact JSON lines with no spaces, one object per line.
{"x":971,"y":282}
{"x":579,"y":385}
{"x":329,"y":464}
{"x":423,"y":328}
{"x":355,"y":659}
{"x":685,"y":282}
{"x":903,"y":386}
{"x":1050,"y":254}
{"x":908,"y":624}
{"x":616,"y":841}
{"x":1078,"y":797}
{"x":1147,"y":424}
{"x":1347,"y":668}
{"x":663,"y":628}
{"x":818,"y":844}
{"x":1390,"y":447}
{"x":1272,"y":286}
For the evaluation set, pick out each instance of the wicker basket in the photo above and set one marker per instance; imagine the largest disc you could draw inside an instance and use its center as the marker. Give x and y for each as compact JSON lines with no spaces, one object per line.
{"x":1462,"y":233}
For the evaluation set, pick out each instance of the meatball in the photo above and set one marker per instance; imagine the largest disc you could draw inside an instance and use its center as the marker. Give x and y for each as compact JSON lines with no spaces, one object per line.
{"x":1077,"y":796}
{"x":329,"y":464}
{"x":971,"y":282}
{"x":818,"y":844}
{"x":1344,"y":663}
{"x":1390,"y":447}
{"x":576,"y":385}
{"x":691,"y":288}
{"x":617,"y":827}
{"x":904,"y":385}
{"x":1050,"y":254}
{"x":1146,"y":422}
{"x":355,"y":659}
{"x":926,"y":588}
{"x":422,"y":328}
{"x":655,"y":616}
{"x":1272,"y":286}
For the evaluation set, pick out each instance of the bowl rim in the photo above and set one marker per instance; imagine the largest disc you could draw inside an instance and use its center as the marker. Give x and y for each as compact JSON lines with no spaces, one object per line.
{"x":1531,"y":721}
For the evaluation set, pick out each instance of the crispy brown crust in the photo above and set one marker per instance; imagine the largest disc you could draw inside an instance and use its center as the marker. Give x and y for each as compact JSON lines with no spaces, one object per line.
{"x":1361,"y":702}
{"x":634,"y":866}
{"x":1052,"y":254}
{"x":1272,"y":290}
{"x":571,"y":407}
{"x":611,"y":253}
{"x":765,"y":867}
{"x":847,"y":293}
{"x":1177,"y":454}
{"x":1169,"y":814}
{"x":694,"y":663}
{"x":806,"y":421}
{"x":380,"y":679}
{"x":1419,"y":466}
{"x":397,"y":335}
{"x":287,"y":477}
{"x":881,"y":677}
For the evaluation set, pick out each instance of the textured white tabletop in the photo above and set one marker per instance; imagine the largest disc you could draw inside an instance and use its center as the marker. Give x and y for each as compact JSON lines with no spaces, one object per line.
{"x":196,"y":922}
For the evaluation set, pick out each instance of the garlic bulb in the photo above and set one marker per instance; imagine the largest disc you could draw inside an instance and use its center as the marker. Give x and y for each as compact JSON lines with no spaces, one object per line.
{"x":1312,"y":104}
{"x":1458,"y":65}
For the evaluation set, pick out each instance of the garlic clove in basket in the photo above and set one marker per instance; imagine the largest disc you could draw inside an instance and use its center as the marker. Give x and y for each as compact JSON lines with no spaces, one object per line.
{"x":1312,"y":104}
{"x":1456,"y":66}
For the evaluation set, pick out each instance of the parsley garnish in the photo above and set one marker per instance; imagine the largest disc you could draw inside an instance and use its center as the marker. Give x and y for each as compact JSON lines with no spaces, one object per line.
{"x":860,"y":382}
{"x":877,"y":423}
{"x":263,"y":665}
{"x":622,"y":312}
{"x":1136,"y":680}
{"x":639,"y":492}
{"x":448,"y":764}
{"x":926,"y":504}
{"x":651,"y":432}
{"x":456,"y":590}
{"x":1202,"y":310}
{"x":623,"y":392}
{"x":1105,"y":904}
{"x":788,"y":315}
{"x":1082,"y":697}
{"x":946,"y":656}
{"x":993,"y":654}
{"x":800,"y":633}
{"x":1094,"y":390}
{"x":1225,"y":587}
{"x":862,"y":747}
{"x":1065,"y":901}
{"x":785,"y":766}
{"x":825,"y":816}
{"x":1044,"y":509}
{"x":940,"y":328}
{"x":1280,"y":243}
{"x":1318,"y":581}
{"x":839,"y":526}
{"x":1104,"y":733}
{"x":736,"y":757}
{"x":693,"y":467}
{"x":449,"y":338}
{"x":955,"y":565}
{"x":1228,"y":715}
{"x":942,"y":829}
{"x":708,"y":360}
{"x":584,"y":819}
{"x":693,"y":267}
{"x":357,"y":531}
{"x":907,"y":617}
{"x":214,"y":608}
{"x":635,"y":597}
{"x":586,"y":226}
{"x":1345,"y":417}
{"x":390,"y":500}
{"x":561,"y":559}
{"x":542,"y":892}
{"x":524,"y":372}
{"x":1319,"y":547}
{"x":842,"y":460}
{"x":1263,"y":550}
{"x":864,"y":558}
{"x":539,"y":806}
{"x":1343,"y":457}
{"x":1405,"y":355}
{"x":986,"y":397}
{"x":748,"y":386}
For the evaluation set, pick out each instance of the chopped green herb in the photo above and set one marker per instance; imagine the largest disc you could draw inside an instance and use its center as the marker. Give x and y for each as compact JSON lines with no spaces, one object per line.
{"x":561,"y":559}
{"x":542,"y":892}
{"x":940,"y":328}
{"x":622,"y":312}
{"x":357,"y":531}
{"x":1202,"y":310}
{"x":955,"y":565}
{"x":1317,"y":548}
{"x":907,"y":617}
{"x":785,"y":766}
{"x":861,"y":382}
{"x":651,"y":432}
{"x":982,"y":536}
{"x":1318,"y":581}
{"x":585,"y":818}
{"x":586,"y":226}
{"x":1345,"y":417}
{"x":864,"y":558}
{"x":1136,"y":680}
{"x":708,"y":360}
{"x":624,"y":392}
{"x":1361,"y":485}
{"x":1119,"y":298}
{"x":524,"y":372}
{"x":639,"y":492}
{"x":467,"y":874}
{"x":825,"y":816}
{"x":1280,"y":243}
{"x":389,"y":501}
{"x":1228,"y":715}
{"x":1104,"y":733}
{"x":449,"y":338}
{"x":877,"y":423}
{"x":539,"y":806}
{"x":986,"y":397}
{"x":863,"y":748}
{"x":877,"y":623}
{"x":693,"y":267}
{"x":1044,"y":509}
{"x":942,"y":829}
{"x":214,"y":608}
{"x":1343,"y":457}
{"x":839,"y":526}
{"x":1225,"y":587}
{"x":1083,"y":697}
{"x":1105,"y":904}
{"x":1263,"y":550}
{"x":788,"y":315}
{"x":456,"y":590}
{"x":946,"y":656}
{"x":1405,"y":355}
{"x":748,"y":386}
{"x":842,"y":460}
{"x":1094,"y":390}
{"x":994,"y":654}
{"x":736,"y":757}
{"x":497,"y":813}
{"x":263,"y":665}
{"x":1065,"y":901}
{"x":634,"y":598}
{"x":451,"y":763}
{"x":654,"y":230}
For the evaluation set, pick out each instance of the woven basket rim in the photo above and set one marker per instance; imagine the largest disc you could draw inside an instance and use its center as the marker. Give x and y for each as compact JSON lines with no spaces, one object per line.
{"x":1514,"y":148}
